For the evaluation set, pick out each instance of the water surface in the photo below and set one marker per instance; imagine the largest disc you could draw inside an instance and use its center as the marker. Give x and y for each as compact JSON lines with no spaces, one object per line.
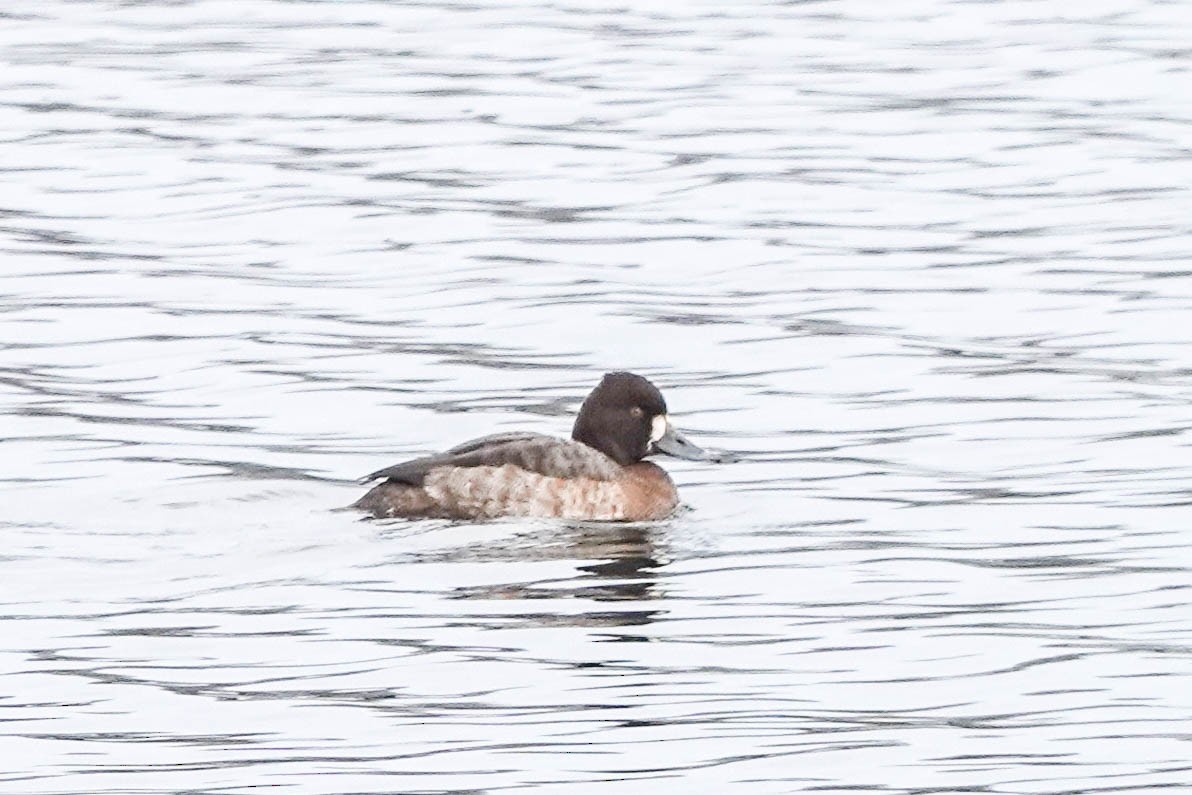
{"x":923,"y":265}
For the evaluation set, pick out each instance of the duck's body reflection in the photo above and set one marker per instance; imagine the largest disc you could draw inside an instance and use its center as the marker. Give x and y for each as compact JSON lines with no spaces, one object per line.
{"x":615,"y":563}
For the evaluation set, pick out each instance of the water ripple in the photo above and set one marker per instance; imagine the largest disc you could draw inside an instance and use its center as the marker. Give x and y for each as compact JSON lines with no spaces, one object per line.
{"x":921,"y":267}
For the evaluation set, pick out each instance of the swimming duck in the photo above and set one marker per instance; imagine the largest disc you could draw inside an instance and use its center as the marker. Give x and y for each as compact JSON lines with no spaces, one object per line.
{"x":597,"y":474}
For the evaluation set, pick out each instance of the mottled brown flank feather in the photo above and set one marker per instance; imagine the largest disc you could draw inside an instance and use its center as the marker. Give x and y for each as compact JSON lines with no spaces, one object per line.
{"x":639,"y":492}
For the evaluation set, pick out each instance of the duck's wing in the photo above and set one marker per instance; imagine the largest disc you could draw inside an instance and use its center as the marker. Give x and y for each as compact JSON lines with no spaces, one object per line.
{"x":532,"y":452}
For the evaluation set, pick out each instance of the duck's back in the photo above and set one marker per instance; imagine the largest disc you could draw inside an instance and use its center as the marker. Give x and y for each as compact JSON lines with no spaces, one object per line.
{"x":520,"y":475}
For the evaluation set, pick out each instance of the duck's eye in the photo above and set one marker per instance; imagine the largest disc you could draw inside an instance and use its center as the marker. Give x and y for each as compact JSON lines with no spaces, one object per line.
{"x":637,"y":411}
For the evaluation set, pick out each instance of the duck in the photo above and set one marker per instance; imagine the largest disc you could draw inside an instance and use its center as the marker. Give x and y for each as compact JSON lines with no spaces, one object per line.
{"x":599,"y":474}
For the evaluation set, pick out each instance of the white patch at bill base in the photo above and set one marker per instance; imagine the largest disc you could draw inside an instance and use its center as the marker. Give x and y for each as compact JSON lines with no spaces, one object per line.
{"x":658,"y":427}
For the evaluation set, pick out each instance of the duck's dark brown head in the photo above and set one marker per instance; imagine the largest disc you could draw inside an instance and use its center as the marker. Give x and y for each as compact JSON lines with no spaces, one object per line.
{"x":625,"y":418}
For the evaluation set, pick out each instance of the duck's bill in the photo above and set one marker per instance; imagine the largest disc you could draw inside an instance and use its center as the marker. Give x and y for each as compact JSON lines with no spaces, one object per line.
{"x":674,"y":443}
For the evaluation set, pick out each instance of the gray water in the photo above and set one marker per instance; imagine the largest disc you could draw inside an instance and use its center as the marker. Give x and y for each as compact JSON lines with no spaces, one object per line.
{"x":923,"y":265}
